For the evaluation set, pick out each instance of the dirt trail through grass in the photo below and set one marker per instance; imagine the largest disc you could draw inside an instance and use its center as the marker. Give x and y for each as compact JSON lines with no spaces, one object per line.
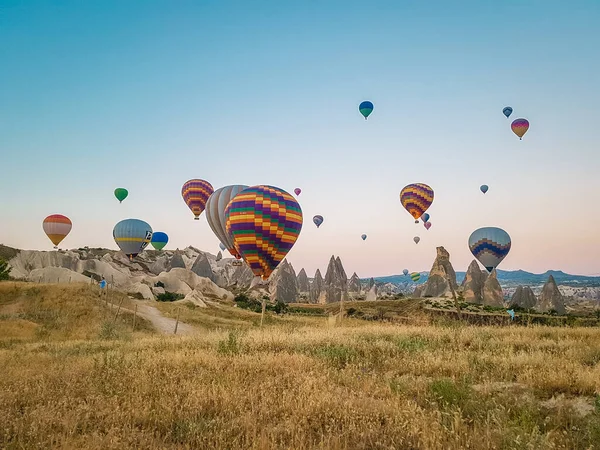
{"x":162,"y":324}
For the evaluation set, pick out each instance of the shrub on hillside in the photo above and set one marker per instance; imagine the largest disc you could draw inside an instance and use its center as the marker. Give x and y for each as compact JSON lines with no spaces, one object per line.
{"x":4,"y":270}
{"x":169,"y":297}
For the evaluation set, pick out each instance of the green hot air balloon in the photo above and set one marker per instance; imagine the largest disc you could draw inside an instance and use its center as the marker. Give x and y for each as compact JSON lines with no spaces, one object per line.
{"x":121,"y":194}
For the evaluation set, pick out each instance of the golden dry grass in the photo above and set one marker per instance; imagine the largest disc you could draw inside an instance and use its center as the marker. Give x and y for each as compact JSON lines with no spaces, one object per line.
{"x":359,"y":386}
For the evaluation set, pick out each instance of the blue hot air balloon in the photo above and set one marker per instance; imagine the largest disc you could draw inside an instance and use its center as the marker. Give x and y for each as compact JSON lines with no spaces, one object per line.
{"x":159,"y":240}
{"x":405,"y":272}
{"x":507,"y":111}
{"x":132,"y":236}
{"x":221,"y":246}
{"x":365,"y":108}
{"x":364,"y":236}
{"x":484,"y":188}
{"x":489,"y":245}
{"x":318,"y":220}
{"x":425,"y":217}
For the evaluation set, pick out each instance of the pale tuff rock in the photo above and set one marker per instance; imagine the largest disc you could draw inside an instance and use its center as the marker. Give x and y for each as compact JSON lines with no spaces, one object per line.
{"x":418,"y":291}
{"x":492,"y":292}
{"x":160,"y":265}
{"x":303,"y":283}
{"x":202,"y":267}
{"x":371,"y":283}
{"x":283,"y":284}
{"x":197,"y":298}
{"x":354,"y":284}
{"x":56,"y":275}
{"x":473,"y":283}
{"x":316,"y":287}
{"x":523,"y":298}
{"x":440,"y":275}
{"x":177,"y":261}
{"x":340,"y":267}
{"x":140,"y":289}
{"x":372,"y":294}
{"x":336,"y":282}
{"x":551,"y":298}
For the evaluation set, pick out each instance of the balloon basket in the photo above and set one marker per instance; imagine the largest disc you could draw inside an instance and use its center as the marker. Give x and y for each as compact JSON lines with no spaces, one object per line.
{"x":196,"y":218}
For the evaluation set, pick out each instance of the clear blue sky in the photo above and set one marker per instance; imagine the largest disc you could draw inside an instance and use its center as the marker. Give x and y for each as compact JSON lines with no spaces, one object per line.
{"x":146,"y":95}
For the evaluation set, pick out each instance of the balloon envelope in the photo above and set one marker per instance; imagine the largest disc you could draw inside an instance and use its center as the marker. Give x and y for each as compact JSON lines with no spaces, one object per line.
{"x":507,"y":111}
{"x":520,"y":127}
{"x":427,"y":225}
{"x":365,"y":108}
{"x":132,"y":236}
{"x":416,"y":199}
{"x":318,"y":220}
{"x":484,"y":188}
{"x":159,"y":240}
{"x":195,"y":194}
{"x":297,"y":191}
{"x":489,"y":245}
{"x":265,"y":222}
{"x":425,"y":217}
{"x":405,"y":271}
{"x":415,"y":276}
{"x":57,"y":227}
{"x":416,"y":239}
{"x":222,"y":247}
{"x":364,"y":236}
{"x":121,"y":194}
{"x":215,"y":214}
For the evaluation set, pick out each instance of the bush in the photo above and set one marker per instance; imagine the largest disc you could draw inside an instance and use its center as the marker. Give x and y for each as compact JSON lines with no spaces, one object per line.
{"x":4,"y":270}
{"x":169,"y":297}
{"x":280,"y":308}
{"x":159,"y":284}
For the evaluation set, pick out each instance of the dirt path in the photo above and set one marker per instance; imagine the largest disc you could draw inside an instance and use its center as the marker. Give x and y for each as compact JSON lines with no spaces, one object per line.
{"x":162,"y":324}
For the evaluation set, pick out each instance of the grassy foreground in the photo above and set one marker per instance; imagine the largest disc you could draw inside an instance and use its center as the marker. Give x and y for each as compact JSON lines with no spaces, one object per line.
{"x":293,"y":384}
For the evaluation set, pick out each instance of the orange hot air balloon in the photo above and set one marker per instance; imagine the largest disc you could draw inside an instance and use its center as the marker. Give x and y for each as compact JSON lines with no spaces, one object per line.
{"x":57,"y":227}
{"x":520,"y":127}
{"x":416,"y":199}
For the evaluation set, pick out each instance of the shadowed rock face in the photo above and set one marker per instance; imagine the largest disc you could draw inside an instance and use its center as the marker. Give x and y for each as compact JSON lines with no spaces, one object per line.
{"x":219,"y":257}
{"x":303,"y":283}
{"x":473,"y":284}
{"x":441,"y":274}
{"x":492,"y":292}
{"x":523,"y":298}
{"x":202,"y":268}
{"x":316,"y":287}
{"x":551,"y":298}
{"x":371,"y":284}
{"x":177,"y":261}
{"x":283,"y":284}
{"x":354,"y":284}
{"x":336,"y":282}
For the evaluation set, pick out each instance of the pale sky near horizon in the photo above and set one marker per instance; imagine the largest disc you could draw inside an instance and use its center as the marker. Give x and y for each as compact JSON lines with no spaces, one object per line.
{"x":148,"y":94}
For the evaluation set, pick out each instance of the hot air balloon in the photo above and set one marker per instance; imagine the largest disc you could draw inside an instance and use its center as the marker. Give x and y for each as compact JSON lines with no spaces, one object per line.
{"x":405,"y":272}
{"x":222,"y":247}
{"x":215,"y":214}
{"x":318,"y":220}
{"x":195,"y":193}
{"x":121,"y":194}
{"x":489,"y":245}
{"x":297,"y":191}
{"x":132,"y":236}
{"x":507,"y":111}
{"x":427,"y":225}
{"x":159,"y":240}
{"x":415,"y":276}
{"x":416,"y":239}
{"x":484,"y":188}
{"x":416,"y":198}
{"x":363,"y":237}
{"x":520,"y":127}
{"x":57,"y":227}
{"x":264,"y":222}
{"x":425,"y":217}
{"x":365,"y":108}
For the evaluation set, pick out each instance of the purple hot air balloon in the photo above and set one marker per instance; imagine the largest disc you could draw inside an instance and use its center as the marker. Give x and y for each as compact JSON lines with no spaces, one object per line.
{"x":297,"y":191}
{"x":427,"y":225}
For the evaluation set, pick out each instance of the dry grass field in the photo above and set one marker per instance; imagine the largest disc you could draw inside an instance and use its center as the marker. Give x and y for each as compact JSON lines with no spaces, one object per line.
{"x":69,"y":380}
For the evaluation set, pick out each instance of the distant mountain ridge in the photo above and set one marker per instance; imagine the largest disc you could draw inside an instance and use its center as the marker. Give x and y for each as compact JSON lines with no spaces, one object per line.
{"x":510,"y":278}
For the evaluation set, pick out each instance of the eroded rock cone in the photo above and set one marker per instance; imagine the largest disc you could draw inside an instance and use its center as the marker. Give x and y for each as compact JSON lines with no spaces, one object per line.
{"x":336,"y":282}
{"x":177,"y":261}
{"x":440,"y":276}
{"x":316,"y":287}
{"x":492,"y":291}
{"x":472,"y":285}
{"x":283,"y":284}
{"x":202,"y":268}
{"x":523,"y":298}
{"x":551,"y":298}
{"x":303,"y":283}
{"x":354,"y":284}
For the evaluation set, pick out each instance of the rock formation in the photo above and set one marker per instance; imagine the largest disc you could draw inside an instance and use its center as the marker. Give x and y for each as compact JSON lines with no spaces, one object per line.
{"x":440,"y":275}
{"x":219,"y":257}
{"x":354,"y":284}
{"x":472,"y":285}
{"x":492,"y":291}
{"x":284,"y":284}
{"x":336,"y":282}
{"x":372,"y":294}
{"x":303,"y":283}
{"x":551,"y":298}
{"x":177,"y":261}
{"x":371,"y":283}
{"x":523,"y":298}
{"x":316,"y":287}
{"x":202,"y":267}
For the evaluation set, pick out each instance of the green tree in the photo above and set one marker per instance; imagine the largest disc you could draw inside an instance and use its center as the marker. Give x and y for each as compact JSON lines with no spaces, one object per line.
{"x":4,"y":270}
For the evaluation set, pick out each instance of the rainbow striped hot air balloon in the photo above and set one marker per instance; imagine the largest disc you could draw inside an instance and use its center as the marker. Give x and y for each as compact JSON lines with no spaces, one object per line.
{"x":265,"y":222}
{"x":132,"y":236}
{"x":215,"y":214}
{"x":57,"y":227}
{"x":416,"y":199}
{"x":489,"y":245}
{"x":520,"y":127}
{"x":195,"y":193}
{"x":159,"y":240}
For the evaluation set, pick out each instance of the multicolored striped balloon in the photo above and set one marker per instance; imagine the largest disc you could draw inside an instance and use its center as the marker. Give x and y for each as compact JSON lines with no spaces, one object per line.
{"x":416,"y":199}
{"x":132,"y":236}
{"x":520,"y":127}
{"x":264,"y":222}
{"x":215,"y":214}
{"x":195,"y":193}
{"x":489,"y":245}
{"x":415,"y":276}
{"x":57,"y":227}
